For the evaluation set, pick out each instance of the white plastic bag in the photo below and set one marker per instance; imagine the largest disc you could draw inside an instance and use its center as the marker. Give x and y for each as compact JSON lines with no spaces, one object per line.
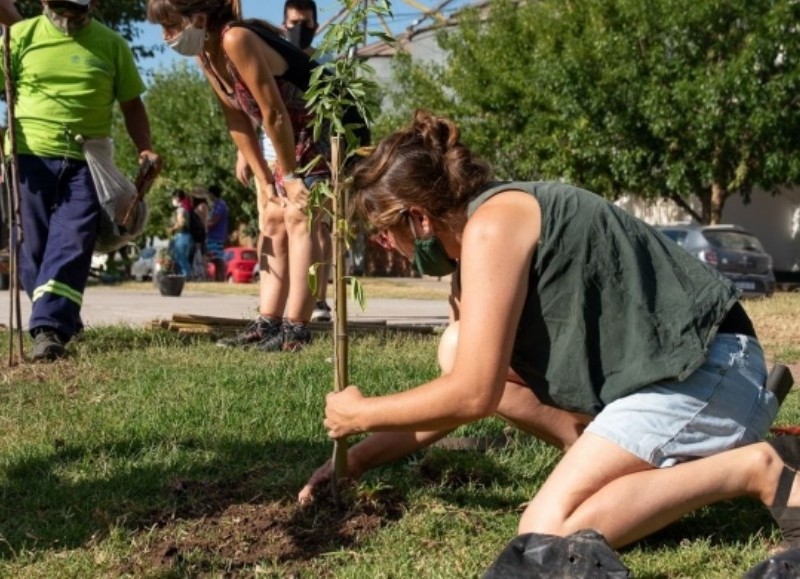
{"x":116,"y":194}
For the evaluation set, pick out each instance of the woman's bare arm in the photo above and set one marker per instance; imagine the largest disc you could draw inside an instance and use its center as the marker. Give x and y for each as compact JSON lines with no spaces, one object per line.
{"x":497,"y":248}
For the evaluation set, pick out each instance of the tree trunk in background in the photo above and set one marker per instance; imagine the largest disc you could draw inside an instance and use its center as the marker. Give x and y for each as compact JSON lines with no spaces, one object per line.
{"x":718,"y":197}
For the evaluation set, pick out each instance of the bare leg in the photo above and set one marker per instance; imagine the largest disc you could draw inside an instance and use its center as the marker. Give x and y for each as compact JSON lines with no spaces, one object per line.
{"x":519,"y":405}
{"x":303,"y":252}
{"x":326,"y":255}
{"x":600,"y":486}
{"x":273,"y":252}
{"x":522,"y":408}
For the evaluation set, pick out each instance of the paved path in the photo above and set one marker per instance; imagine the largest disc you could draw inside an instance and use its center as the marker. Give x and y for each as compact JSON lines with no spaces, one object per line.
{"x":109,"y":305}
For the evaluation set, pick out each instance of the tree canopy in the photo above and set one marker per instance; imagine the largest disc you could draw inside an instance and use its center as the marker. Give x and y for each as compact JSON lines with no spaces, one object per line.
{"x":190,"y":134}
{"x":666,"y":98}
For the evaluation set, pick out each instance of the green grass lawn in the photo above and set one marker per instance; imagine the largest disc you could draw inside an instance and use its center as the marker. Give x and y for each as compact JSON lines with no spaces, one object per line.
{"x":150,"y":454}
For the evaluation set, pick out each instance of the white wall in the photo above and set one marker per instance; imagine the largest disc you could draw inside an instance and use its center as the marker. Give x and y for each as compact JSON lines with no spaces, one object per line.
{"x":775,"y":220}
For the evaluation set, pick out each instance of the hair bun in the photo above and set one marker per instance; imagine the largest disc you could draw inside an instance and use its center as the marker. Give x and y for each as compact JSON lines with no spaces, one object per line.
{"x":437,"y":133}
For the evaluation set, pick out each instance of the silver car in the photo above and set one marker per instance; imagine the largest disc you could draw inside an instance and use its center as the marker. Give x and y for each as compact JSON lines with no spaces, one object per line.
{"x":731,"y":249}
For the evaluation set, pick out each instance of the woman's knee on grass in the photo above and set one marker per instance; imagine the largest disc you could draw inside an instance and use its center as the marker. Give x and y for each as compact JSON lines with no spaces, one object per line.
{"x":523,"y":409}
{"x":447,"y":348}
{"x":519,"y":405}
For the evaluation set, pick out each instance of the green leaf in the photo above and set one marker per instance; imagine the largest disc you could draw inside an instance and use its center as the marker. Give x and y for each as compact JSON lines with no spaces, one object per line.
{"x":357,"y":293}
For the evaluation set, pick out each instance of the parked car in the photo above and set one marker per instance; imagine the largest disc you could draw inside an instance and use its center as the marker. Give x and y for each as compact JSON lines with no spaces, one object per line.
{"x":731,"y":249}
{"x":144,"y":267}
{"x":239,"y":264}
{"x":114,"y":267}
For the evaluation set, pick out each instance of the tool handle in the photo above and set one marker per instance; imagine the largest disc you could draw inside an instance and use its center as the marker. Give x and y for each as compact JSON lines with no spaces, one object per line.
{"x":779,"y":381}
{"x":148,"y":172}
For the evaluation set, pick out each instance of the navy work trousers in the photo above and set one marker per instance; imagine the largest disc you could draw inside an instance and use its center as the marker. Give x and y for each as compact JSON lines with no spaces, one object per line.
{"x":60,"y":217}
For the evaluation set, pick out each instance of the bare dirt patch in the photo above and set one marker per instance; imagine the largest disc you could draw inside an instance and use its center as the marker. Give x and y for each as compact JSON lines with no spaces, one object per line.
{"x":229,"y":539}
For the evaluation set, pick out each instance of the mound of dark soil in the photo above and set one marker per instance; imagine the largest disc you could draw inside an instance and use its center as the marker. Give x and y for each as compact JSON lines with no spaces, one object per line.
{"x":232,"y":539}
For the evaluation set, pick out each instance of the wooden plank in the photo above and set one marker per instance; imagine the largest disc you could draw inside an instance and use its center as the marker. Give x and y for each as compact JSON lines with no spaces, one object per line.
{"x":219,"y":326}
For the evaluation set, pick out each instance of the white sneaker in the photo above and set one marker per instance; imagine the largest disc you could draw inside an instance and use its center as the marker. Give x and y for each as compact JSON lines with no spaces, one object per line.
{"x":321,"y":313}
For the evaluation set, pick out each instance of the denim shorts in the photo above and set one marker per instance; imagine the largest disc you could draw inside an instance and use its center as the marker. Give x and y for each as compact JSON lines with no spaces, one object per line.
{"x":722,"y":405}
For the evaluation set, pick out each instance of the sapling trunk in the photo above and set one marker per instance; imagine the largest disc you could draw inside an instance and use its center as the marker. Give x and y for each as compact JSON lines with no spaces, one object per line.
{"x":14,"y":225}
{"x":339,"y":300}
{"x":338,"y":86}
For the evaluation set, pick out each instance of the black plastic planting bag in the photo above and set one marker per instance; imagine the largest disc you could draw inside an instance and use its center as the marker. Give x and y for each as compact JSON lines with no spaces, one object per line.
{"x":785,"y":565}
{"x":584,"y":555}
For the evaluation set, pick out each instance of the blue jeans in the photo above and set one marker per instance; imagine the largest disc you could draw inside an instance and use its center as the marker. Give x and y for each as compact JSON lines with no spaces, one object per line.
{"x":181,"y":246}
{"x":722,"y":405}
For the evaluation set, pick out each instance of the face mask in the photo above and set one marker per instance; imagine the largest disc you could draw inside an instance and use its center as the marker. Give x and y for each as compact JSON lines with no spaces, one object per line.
{"x":189,"y":42}
{"x":69,"y":25}
{"x":430,"y":258}
{"x":300,"y":35}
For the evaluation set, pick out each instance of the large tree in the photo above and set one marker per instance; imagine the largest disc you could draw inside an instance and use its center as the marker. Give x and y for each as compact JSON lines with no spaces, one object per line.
{"x":666,"y":98}
{"x":124,"y":16}
{"x":190,"y":134}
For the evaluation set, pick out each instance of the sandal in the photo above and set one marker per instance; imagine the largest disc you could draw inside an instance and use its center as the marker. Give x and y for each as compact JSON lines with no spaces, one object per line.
{"x":788,"y":518}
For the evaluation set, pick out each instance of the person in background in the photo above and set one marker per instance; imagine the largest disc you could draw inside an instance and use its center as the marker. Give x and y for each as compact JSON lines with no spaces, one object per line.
{"x":580,"y":324}
{"x":217,"y":231}
{"x":300,"y":23}
{"x":252,"y":78}
{"x":186,"y":202}
{"x":181,"y":238}
{"x":68,"y":72}
{"x":299,"y":27}
{"x":8,"y":13}
{"x":197,"y":257}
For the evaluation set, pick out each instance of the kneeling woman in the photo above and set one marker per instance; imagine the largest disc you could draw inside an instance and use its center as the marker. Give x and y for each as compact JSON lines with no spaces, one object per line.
{"x":580,"y":324}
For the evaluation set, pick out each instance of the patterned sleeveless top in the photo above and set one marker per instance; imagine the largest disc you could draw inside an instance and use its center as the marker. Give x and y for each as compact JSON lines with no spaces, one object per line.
{"x":242,"y":99}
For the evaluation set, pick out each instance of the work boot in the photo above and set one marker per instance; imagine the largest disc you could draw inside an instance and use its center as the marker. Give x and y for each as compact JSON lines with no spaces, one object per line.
{"x":253,"y":333}
{"x":48,"y":345}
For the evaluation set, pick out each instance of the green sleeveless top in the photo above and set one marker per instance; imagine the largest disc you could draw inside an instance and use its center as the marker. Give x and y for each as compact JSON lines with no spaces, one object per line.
{"x":612,"y":304}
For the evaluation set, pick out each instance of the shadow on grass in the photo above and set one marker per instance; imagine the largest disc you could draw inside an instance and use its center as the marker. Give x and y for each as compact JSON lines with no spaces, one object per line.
{"x":238,"y":508}
{"x":722,"y":524}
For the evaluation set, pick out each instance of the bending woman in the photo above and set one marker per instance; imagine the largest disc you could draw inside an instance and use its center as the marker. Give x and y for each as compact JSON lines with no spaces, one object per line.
{"x":581,"y":324}
{"x":252,"y":81}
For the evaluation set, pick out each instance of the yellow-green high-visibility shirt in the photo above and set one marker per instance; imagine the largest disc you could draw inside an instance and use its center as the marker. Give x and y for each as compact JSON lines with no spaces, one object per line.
{"x":67,"y":85}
